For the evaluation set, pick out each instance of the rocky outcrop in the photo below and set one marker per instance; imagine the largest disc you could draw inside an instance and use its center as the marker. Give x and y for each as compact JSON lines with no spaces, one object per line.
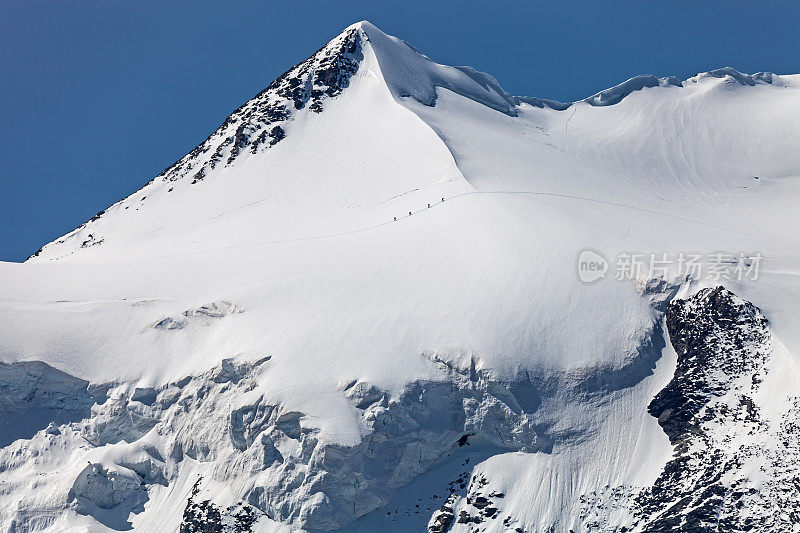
{"x":718,"y":338}
{"x":734,"y":464}
{"x":260,"y":123}
{"x":479,"y":508}
{"x":203,"y":516}
{"x":721,"y":439}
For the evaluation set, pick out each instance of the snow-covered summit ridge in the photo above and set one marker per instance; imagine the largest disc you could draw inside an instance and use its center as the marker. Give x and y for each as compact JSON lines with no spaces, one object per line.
{"x":289,"y":101}
{"x":348,"y":71}
{"x":614,"y":95}
{"x":409,"y":73}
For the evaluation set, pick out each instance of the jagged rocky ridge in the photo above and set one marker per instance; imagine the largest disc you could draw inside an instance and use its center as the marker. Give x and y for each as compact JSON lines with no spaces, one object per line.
{"x":709,"y":413}
{"x":261,"y":122}
{"x":733,"y":469}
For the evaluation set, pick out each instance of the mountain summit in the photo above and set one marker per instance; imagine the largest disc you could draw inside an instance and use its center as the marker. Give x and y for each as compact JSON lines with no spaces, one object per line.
{"x":386,"y":66}
{"x":362,"y":305}
{"x":348,"y":101}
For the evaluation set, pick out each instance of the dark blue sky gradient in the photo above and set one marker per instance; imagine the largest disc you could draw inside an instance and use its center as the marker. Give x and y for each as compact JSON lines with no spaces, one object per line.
{"x":97,"y":97}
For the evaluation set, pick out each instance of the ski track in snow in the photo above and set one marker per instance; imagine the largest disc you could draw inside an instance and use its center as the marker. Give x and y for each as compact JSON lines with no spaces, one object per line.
{"x":438,"y":204}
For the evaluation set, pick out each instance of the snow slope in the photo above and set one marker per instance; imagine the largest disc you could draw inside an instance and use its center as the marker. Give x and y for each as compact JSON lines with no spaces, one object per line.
{"x":373,"y":259}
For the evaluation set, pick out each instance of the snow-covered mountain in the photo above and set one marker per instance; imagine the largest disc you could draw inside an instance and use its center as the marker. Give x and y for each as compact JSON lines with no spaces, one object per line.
{"x":357,"y":306}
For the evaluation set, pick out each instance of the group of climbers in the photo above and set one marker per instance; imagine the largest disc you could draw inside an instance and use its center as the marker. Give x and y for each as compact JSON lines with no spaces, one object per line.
{"x":410,"y":212}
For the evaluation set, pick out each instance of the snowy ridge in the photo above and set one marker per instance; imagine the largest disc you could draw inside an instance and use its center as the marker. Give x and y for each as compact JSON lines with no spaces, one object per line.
{"x":741,"y":78}
{"x":615,"y":94}
{"x":407,"y":75}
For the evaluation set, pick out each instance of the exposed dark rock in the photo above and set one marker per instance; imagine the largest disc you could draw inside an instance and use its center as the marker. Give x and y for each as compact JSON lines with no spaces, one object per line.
{"x":443,"y":518}
{"x":722,"y":343}
{"x":206,"y":517}
{"x":257,"y":123}
{"x":91,"y":240}
{"x":717,"y":337}
{"x":477,"y":506}
{"x":709,"y":413}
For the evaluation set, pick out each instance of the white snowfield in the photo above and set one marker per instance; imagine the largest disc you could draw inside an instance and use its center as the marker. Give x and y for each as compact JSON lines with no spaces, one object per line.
{"x":423,"y":228}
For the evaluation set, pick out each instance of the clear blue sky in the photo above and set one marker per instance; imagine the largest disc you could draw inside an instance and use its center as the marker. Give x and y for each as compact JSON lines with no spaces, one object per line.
{"x":97,"y":97}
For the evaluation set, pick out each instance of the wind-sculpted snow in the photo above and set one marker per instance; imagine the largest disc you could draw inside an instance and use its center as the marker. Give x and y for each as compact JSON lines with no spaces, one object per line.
{"x":203,"y":313}
{"x":544,"y":102}
{"x":615,"y":94}
{"x":140,"y":439}
{"x":98,"y":489}
{"x":409,"y":74}
{"x":741,"y":78}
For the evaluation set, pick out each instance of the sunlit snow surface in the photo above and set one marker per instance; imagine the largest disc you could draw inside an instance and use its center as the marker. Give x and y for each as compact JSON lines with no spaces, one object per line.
{"x":305,"y":252}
